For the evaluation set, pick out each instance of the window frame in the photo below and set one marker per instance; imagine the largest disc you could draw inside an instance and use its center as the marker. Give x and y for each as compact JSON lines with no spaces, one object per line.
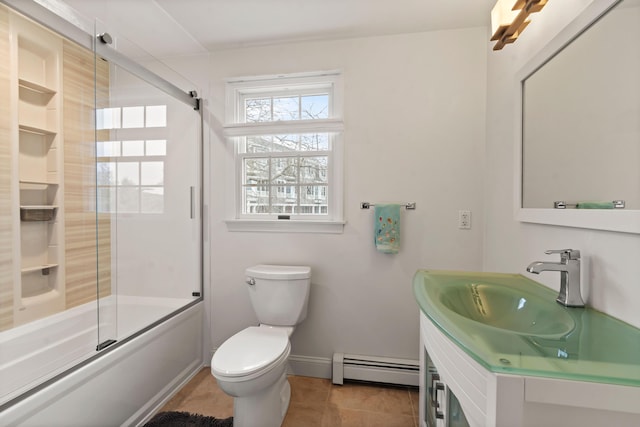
{"x":237,"y":91}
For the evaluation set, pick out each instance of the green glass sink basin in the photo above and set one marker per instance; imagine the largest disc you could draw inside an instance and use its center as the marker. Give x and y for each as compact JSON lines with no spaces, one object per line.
{"x":511,"y":324}
{"x":509,"y":308}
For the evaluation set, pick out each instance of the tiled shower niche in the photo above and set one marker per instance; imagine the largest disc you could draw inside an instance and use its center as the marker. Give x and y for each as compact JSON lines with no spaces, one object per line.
{"x":37,"y":83}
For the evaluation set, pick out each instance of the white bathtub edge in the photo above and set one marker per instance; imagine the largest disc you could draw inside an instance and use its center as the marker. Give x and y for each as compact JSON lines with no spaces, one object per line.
{"x":124,"y":384}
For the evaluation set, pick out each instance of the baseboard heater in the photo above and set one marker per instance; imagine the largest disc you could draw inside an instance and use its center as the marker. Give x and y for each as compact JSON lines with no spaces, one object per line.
{"x":375,"y":369}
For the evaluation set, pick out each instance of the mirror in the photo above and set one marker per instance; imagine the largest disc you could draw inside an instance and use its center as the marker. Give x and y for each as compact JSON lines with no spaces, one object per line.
{"x":580,"y":129}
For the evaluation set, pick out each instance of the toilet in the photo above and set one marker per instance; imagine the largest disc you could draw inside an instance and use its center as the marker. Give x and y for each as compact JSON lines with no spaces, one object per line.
{"x":251,"y":366}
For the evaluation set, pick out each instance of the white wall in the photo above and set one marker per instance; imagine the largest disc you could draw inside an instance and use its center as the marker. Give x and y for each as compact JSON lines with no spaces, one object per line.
{"x":415,"y":125}
{"x":610,"y":260}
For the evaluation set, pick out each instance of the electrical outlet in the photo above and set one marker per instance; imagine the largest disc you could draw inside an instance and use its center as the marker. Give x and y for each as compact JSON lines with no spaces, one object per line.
{"x":464,"y":219}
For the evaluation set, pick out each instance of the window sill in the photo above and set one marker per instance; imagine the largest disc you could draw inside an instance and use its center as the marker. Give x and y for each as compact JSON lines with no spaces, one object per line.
{"x":285,"y":226}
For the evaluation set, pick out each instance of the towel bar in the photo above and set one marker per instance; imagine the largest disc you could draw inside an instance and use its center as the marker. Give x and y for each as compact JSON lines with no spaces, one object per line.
{"x":408,"y":206}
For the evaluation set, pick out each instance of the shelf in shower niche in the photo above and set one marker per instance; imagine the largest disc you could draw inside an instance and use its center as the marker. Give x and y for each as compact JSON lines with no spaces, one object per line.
{"x":43,"y":268}
{"x":38,"y":213}
{"x":43,"y":297}
{"x":27,"y":84}
{"x":36,"y":130}
{"x":35,"y":182}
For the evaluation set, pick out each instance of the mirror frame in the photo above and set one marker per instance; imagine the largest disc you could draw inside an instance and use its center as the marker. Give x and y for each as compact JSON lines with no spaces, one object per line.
{"x":627,"y":221}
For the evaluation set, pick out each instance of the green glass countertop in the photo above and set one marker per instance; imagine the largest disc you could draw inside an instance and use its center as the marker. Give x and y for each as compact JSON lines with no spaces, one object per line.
{"x":511,"y":324}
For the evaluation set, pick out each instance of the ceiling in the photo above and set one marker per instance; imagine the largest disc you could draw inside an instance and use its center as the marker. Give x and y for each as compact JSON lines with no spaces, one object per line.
{"x":184,"y":27}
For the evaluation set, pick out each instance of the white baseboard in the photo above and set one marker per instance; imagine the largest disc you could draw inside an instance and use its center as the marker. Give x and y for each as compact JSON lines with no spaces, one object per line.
{"x":306,"y":366}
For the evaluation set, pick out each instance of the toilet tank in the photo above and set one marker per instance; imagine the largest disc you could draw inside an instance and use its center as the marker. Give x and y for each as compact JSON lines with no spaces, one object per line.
{"x":279,"y":293}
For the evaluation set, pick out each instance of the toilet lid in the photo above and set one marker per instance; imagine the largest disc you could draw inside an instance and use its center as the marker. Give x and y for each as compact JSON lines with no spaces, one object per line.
{"x":250,"y":350}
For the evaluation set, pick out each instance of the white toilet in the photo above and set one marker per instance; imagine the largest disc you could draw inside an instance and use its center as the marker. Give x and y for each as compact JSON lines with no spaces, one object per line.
{"x":251,"y":365}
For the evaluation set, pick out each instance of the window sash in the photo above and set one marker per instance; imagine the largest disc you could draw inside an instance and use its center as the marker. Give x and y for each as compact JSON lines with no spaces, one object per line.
{"x":276,"y":85}
{"x":299,"y":184}
{"x":243,"y":97}
{"x":236,"y":129}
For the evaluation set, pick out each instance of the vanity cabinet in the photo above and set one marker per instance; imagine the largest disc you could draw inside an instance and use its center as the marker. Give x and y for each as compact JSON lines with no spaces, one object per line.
{"x":441,"y":406}
{"x":487,"y":398}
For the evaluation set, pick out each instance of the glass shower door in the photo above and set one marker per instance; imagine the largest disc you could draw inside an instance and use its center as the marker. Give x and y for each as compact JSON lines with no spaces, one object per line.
{"x":100,"y":189}
{"x":148,"y":184}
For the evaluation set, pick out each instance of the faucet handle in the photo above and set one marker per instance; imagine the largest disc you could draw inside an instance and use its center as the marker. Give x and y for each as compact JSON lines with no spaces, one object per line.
{"x":567,"y":254}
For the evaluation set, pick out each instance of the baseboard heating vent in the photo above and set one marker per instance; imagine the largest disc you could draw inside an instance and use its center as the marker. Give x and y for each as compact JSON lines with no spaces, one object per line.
{"x":376,"y":369}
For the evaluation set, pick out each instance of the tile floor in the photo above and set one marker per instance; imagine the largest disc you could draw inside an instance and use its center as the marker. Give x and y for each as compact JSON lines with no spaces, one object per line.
{"x":315,"y":402}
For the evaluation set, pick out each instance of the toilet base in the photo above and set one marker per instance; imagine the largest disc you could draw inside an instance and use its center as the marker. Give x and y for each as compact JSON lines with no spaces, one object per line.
{"x":264,"y":409}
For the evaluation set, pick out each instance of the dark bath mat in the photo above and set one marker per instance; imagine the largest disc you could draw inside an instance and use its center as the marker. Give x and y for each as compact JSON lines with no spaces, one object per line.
{"x":185,"y":419}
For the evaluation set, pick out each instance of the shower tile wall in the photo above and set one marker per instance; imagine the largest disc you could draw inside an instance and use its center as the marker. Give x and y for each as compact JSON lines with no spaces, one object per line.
{"x":78,"y":220}
{"x":79,"y":179}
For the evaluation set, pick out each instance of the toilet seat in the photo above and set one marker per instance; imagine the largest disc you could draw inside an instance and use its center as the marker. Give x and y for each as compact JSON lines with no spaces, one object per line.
{"x":250,"y":353}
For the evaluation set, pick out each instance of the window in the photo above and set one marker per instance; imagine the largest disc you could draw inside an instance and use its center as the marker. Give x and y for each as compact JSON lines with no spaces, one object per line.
{"x":286,"y":131}
{"x":130,"y":170}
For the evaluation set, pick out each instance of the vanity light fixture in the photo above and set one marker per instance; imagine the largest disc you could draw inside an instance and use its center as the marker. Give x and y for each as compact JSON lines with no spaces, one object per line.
{"x":508,"y":20}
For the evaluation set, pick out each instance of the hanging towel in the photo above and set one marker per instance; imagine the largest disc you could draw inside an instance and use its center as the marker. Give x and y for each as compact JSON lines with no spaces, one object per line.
{"x":387,"y":228}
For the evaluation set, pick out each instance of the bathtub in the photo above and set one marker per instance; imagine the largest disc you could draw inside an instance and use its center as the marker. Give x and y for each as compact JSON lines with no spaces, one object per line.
{"x":119,"y":385}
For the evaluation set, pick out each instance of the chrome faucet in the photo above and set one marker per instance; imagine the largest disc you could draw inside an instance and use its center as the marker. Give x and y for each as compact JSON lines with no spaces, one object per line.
{"x":569,"y":268}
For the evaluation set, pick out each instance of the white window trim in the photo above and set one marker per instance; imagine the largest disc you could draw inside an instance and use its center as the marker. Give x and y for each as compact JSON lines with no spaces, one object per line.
{"x":284,"y":126}
{"x":306,"y":226}
{"x":333,"y":124}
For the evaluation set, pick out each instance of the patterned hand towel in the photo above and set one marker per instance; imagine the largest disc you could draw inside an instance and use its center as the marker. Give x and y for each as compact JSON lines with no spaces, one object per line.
{"x":387,"y":228}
